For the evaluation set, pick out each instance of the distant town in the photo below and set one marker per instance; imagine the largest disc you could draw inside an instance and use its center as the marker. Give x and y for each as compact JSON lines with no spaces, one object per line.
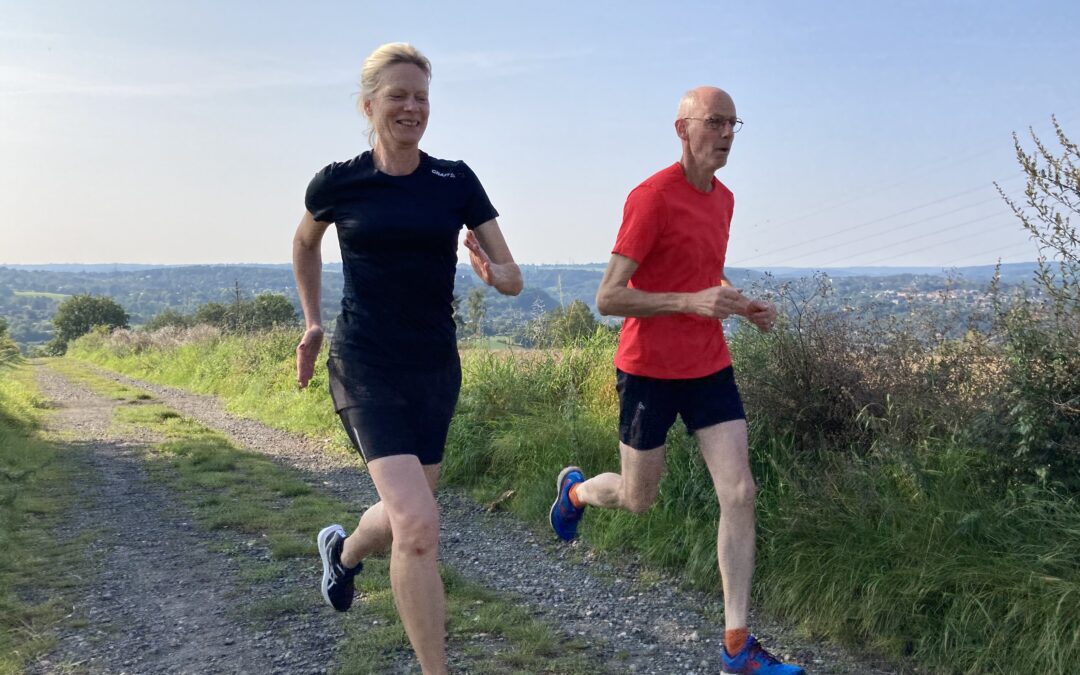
{"x":30,"y":294}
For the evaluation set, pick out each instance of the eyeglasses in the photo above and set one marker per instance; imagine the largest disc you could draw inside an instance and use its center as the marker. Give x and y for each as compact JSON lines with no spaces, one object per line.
{"x":717,"y":123}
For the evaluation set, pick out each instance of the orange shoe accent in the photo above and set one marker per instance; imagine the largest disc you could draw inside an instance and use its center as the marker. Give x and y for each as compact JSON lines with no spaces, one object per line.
{"x":735,"y":640}
{"x":572,"y":493}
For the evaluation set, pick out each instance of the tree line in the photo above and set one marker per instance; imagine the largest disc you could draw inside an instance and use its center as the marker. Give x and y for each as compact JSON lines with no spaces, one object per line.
{"x":80,"y":314}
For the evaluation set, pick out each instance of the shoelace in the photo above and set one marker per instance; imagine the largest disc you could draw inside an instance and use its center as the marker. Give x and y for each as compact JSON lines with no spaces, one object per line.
{"x":343,"y":574}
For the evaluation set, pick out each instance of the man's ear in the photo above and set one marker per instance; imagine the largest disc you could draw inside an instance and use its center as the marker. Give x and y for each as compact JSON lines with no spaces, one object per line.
{"x":680,"y":128}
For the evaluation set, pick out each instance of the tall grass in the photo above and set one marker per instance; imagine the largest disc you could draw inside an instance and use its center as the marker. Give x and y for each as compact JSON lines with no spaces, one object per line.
{"x":922,"y":557}
{"x":894,"y":530}
{"x":908,"y":552}
{"x":254,"y":373}
{"x":9,"y":352}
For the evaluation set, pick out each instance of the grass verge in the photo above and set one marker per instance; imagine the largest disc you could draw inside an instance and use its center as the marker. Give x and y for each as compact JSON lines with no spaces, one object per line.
{"x":34,"y":477}
{"x":247,"y":372}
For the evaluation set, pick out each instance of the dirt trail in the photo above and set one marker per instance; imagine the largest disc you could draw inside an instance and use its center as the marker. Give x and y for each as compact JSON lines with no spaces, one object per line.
{"x":170,"y":608}
{"x":158,"y":596}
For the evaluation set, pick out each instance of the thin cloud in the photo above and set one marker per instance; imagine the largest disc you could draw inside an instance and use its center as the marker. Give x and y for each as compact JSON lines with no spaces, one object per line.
{"x":29,"y":35}
{"x":18,"y":81}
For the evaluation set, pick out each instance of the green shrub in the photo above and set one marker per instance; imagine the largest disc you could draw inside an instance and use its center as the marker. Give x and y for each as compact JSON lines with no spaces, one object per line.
{"x":841,"y":382}
{"x":1036,"y":423}
{"x":9,"y":351}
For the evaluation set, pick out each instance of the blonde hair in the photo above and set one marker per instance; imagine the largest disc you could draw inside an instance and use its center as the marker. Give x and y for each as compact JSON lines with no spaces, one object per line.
{"x":382,"y":58}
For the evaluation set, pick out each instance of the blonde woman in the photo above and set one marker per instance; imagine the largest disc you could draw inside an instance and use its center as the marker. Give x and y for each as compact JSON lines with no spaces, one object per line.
{"x":393,"y":366}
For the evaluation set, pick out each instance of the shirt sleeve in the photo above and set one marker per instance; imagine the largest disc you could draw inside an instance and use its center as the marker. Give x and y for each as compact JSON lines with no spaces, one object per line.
{"x":478,"y":208}
{"x":319,"y":198}
{"x":644,"y":219}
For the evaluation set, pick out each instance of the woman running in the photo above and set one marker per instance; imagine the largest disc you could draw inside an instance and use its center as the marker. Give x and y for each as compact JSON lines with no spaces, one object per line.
{"x":393,"y":367}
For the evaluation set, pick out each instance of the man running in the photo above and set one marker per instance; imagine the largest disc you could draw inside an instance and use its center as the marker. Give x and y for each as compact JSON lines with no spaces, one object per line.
{"x":666,"y":276}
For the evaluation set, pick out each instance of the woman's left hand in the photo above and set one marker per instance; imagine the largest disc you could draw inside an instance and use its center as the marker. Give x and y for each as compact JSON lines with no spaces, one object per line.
{"x":481,"y":263}
{"x":505,"y":278}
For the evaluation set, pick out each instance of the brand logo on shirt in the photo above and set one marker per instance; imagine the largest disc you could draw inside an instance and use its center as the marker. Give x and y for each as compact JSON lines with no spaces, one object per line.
{"x":443,"y":174}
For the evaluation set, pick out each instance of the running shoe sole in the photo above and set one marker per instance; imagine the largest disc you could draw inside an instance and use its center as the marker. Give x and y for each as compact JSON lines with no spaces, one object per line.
{"x":324,"y":535}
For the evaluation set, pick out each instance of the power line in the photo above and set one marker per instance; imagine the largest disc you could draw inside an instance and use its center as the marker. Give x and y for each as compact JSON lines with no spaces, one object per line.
{"x":921,"y":221}
{"x":984,"y":186}
{"x":817,"y":239}
{"x":866,"y":192}
{"x":918,"y":250}
{"x":918,"y":237}
{"x":910,"y":177}
{"x":894,"y":244}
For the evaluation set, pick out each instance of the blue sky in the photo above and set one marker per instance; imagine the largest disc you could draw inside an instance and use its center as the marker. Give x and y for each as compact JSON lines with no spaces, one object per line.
{"x":167,"y":132}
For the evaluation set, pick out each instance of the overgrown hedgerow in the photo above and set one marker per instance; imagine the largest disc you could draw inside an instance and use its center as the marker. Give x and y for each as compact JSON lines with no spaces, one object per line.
{"x":838,"y":382}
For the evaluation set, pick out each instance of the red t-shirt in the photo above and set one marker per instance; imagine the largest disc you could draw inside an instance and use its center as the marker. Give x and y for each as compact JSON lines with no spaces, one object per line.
{"x":678,"y":236}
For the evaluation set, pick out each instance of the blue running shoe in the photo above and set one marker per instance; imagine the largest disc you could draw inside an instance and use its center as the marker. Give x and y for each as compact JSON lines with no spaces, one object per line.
{"x":754,"y":660}
{"x":337,"y":580}
{"x":564,"y":515}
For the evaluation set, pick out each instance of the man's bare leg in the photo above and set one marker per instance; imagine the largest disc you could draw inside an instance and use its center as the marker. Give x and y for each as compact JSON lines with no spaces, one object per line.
{"x":724,"y":447}
{"x":635,"y":489}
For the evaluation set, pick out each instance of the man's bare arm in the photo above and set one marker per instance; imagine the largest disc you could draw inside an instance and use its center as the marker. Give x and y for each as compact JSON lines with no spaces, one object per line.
{"x":616,"y":298}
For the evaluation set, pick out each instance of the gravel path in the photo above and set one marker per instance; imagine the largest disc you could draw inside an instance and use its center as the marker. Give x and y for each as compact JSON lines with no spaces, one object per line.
{"x":635,"y":625}
{"x":158,"y":596}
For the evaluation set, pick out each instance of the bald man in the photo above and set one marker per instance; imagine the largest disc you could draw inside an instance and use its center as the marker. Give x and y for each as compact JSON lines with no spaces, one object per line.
{"x":666,"y":276}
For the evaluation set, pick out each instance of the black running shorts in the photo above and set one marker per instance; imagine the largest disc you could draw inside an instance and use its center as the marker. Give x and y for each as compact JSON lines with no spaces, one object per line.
{"x":390,"y":411}
{"x":647,"y":405}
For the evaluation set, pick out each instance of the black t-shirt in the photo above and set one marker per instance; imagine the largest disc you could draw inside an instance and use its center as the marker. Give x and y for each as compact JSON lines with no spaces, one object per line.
{"x":399,"y":237}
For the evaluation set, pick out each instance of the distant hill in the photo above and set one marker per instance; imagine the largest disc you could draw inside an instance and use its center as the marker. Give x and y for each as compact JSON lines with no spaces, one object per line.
{"x":29,"y":297}
{"x":29,"y":294}
{"x":1010,"y":272}
{"x":100,"y":268}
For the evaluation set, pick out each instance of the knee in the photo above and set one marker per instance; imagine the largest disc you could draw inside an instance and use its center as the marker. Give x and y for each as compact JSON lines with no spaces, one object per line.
{"x":738,"y":494}
{"x":417,"y":535}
